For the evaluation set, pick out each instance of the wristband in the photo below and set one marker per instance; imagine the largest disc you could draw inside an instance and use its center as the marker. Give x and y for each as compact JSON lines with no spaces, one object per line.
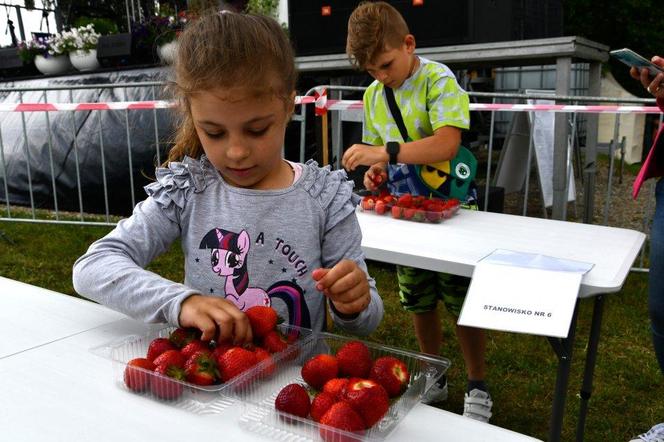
{"x":393,"y":148}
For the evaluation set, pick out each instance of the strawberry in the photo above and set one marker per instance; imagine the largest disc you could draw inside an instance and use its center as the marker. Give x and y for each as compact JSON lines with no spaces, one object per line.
{"x":368,"y":398}
{"x":388,"y":199}
{"x":343,"y":417}
{"x":397,"y":211}
{"x":164,"y":384}
{"x":136,"y":377}
{"x":274,"y":342}
{"x":354,"y":360}
{"x":380,"y":208}
{"x":405,"y":200}
{"x":201,"y":368}
{"x":235,"y":361}
{"x":262,"y":319}
{"x":419,"y":215}
{"x":157,"y":347}
{"x":293,"y":399}
{"x":170,"y":357}
{"x":368,"y":203}
{"x":220,"y":349}
{"x":320,"y":369}
{"x":264,"y":355}
{"x":434,"y":216}
{"x":391,"y":373}
{"x":335,"y":387}
{"x":183,"y":336}
{"x":194,"y":346}
{"x":321,"y":403}
{"x":408,"y":213}
{"x":377,"y":179}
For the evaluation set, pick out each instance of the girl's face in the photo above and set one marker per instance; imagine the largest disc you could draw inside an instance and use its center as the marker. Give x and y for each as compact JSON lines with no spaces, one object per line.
{"x":242,"y":136}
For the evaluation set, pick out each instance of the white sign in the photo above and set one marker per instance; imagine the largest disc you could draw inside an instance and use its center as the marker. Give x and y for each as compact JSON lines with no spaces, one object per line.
{"x":524,"y":293}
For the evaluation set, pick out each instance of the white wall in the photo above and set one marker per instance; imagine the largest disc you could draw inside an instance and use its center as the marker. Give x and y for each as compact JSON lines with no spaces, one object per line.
{"x":632,"y":126}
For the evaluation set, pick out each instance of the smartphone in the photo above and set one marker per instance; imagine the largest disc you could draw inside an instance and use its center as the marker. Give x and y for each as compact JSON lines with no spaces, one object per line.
{"x":632,"y":59}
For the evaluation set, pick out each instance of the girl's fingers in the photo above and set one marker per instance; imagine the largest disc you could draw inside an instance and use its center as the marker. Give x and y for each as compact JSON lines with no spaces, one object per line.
{"x":207,"y":327}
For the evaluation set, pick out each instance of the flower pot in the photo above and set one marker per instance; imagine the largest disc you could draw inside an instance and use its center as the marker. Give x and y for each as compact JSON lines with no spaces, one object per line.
{"x":52,"y":65}
{"x":167,"y":52}
{"x":84,"y":60}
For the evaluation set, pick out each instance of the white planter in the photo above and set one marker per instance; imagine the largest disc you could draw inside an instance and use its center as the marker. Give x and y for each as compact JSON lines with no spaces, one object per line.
{"x":167,"y":52}
{"x":84,"y":60}
{"x":52,"y":65}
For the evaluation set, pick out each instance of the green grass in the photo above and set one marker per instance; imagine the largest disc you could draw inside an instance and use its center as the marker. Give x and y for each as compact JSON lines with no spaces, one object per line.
{"x":628,"y":385}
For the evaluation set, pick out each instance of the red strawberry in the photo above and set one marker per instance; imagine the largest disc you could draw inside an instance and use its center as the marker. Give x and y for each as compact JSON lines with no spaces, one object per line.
{"x":434,"y":216}
{"x":135,"y":376}
{"x":419,"y":215}
{"x":368,"y":203}
{"x":405,"y":200}
{"x":183,"y":336}
{"x":396,"y":211}
{"x":354,"y":360}
{"x":274,"y":342}
{"x":391,"y":373}
{"x":220,"y":349}
{"x":201,"y":368}
{"x":293,"y":399}
{"x":264,"y":355}
{"x":368,"y":398}
{"x":377,"y":179}
{"x":335,"y":387}
{"x":320,"y":369}
{"x":170,"y":357}
{"x":381,"y":207}
{"x":408,"y":213}
{"x":235,"y":361}
{"x":262,"y":319}
{"x":418,"y":201}
{"x":157,"y":347}
{"x":343,"y":417}
{"x":164,"y":384}
{"x":194,"y":346}
{"x":321,"y":403}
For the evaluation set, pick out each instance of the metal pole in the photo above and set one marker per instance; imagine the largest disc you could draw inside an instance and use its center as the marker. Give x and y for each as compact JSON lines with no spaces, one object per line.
{"x":531,"y":144}
{"x":561,"y":130}
{"x":616,"y":129}
{"x":76,"y":160}
{"x":26,"y":147}
{"x":50,"y":160}
{"x":156,"y":127}
{"x":590,"y":158}
{"x":490,"y":154}
{"x":4,"y":173}
{"x":131,"y":165}
{"x":103,"y":166}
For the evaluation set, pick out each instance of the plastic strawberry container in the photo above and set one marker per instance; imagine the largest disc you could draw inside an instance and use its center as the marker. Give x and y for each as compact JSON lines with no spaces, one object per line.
{"x":181,"y":394}
{"x":258,"y":393}
{"x":391,"y":205}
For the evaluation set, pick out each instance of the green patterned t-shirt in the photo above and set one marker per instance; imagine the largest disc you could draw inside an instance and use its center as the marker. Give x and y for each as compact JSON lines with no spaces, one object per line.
{"x":429,"y":99}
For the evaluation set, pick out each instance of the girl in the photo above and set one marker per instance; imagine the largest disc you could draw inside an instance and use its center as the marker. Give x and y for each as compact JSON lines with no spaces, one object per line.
{"x":255,"y":229}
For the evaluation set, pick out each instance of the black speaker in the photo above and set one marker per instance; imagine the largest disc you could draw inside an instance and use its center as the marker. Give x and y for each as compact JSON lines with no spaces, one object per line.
{"x":114,"y":50}
{"x":320,"y":26}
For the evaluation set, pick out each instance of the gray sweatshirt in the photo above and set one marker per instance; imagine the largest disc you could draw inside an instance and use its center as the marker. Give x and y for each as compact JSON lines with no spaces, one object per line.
{"x":254,"y":247}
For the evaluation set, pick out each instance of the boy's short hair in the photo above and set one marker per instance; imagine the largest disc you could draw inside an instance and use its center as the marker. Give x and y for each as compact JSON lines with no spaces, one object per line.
{"x":373,"y":27}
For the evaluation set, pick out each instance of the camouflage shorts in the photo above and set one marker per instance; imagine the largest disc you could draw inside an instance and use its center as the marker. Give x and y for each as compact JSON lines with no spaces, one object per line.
{"x":420,"y":290}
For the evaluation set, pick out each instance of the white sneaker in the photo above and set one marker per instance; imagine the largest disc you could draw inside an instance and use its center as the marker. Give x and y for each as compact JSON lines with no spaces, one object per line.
{"x":655,"y":434}
{"x":436,"y":393}
{"x":477,"y":405}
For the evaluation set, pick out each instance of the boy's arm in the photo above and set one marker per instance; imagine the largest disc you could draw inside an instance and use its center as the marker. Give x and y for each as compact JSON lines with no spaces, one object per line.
{"x":441,"y":146}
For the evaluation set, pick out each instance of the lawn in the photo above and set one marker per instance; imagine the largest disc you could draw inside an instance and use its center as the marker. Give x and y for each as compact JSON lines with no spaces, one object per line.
{"x":628,"y":386}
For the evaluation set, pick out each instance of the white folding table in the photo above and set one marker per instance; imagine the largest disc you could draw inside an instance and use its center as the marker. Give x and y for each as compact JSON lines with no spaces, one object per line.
{"x":457,"y":244}
{"x":53,"y":388}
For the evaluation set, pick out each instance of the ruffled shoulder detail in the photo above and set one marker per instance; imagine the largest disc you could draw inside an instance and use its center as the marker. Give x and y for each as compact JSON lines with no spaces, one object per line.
{"x":333,"y":191}
{"x":176,"y":183}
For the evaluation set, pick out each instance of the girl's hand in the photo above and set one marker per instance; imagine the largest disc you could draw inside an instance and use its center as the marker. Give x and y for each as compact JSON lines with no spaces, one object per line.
{"x":375,"y":177}
{"x":216,"y":318}
{"x":655,"y":86}
{"x":345,"y":285}
{"x":363,"y":155}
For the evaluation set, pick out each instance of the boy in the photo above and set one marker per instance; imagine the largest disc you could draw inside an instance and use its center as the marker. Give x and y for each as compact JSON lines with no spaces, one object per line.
{"x":434,"y":110}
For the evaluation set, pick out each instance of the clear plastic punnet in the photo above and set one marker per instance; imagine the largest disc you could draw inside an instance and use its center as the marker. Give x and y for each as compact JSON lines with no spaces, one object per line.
{"x":258,"y":391}
{"x":209,"y":399}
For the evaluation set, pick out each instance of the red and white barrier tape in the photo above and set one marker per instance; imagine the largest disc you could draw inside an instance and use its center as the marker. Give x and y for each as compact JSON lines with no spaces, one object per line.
{"x":324,"y":104}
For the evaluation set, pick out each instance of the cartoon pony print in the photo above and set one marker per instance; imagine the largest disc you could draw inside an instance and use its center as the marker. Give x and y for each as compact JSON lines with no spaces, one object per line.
{"x":229,"y":260}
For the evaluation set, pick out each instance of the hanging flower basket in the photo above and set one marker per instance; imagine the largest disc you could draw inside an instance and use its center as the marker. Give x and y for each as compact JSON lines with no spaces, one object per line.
{"x":84,"y":60}
{"x":53,"y":65}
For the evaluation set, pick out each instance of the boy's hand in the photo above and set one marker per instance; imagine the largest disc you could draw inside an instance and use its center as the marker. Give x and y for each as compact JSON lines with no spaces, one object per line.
{"x":375,"y":177}
{"x":363,"y":155}
{"x":216,"y":318}
{"x":345,"y":285}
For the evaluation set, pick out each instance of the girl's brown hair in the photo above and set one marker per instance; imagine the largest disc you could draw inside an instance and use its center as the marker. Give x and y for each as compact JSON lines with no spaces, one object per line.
{"x":373,"y":27}
{"x":226,"y":50}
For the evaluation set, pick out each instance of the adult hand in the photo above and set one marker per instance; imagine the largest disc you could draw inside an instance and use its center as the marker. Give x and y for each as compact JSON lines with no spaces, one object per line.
{"x":375,"y":177}
{"x":345,"y":285}
{"x":363,"y":155}
{"x":655,"y":86}
{"x":216,"y":318}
